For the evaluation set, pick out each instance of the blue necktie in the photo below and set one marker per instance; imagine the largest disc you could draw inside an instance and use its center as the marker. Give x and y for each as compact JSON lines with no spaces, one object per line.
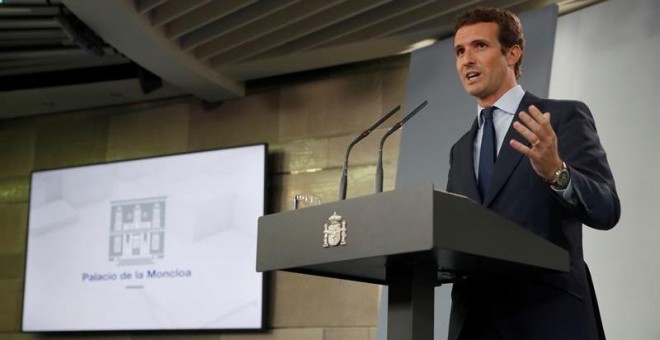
{"x":488,"y":151}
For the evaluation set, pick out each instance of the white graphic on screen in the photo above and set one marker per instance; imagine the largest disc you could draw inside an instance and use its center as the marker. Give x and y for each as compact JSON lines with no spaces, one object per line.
{"x":137,"y":231}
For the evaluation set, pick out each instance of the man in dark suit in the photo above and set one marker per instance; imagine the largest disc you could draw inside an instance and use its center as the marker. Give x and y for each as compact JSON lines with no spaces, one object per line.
{"x":538,"y":163}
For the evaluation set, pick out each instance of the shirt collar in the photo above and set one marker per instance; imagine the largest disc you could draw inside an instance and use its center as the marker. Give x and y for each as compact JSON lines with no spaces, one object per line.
{"x":508,"y":102}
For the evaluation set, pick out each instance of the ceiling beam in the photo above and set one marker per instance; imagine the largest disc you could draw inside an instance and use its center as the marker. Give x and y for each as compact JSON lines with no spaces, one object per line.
{"x":19,"y":11}
{"x":203,"y":16}
{"x":144,"y":6}
{"x":150,"y":48}
{"x":345,"y":27}
{"x":232,"y":22}
{"x":303,"y":27}
{"x":262,"y":26}
{"x":169,"y":11}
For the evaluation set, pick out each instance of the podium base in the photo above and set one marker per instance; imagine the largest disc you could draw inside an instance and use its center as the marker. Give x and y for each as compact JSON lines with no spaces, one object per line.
{"x":411,"y":301}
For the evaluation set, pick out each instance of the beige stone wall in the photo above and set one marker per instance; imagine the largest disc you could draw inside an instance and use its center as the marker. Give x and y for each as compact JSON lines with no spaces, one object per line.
{"x":307,"y":122}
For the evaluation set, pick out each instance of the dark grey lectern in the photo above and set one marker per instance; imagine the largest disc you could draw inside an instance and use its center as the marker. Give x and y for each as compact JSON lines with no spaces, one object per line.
{"x":411,"y":240}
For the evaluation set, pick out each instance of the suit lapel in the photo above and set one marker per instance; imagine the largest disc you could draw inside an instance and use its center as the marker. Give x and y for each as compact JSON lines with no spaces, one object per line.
{"x":467,"y":164}
{"x":508,"y":158}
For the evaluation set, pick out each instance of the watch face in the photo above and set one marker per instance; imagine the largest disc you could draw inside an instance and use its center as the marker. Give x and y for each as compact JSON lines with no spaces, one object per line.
{"x":562,"y":178}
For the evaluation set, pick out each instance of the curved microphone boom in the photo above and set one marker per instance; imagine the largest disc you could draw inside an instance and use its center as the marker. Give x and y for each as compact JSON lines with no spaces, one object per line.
{"x":365,"y":133}
{"x":394,"y":128}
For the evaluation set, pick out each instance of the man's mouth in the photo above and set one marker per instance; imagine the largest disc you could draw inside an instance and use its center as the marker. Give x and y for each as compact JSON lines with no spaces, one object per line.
{"x":473,"y":75}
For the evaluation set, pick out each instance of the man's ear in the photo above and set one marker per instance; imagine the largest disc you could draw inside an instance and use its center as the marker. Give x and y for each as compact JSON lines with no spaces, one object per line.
{"x":513,"y":55}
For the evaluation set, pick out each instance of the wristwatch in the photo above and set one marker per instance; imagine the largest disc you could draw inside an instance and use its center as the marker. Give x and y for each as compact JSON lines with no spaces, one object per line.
{"x":561,"y":179}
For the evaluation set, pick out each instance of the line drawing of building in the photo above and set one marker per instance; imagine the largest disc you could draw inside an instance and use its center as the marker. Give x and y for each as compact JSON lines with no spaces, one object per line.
{"x":137,"y":230}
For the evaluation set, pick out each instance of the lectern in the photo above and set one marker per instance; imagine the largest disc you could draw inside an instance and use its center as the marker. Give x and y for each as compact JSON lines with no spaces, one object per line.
{"x":411,"y":240}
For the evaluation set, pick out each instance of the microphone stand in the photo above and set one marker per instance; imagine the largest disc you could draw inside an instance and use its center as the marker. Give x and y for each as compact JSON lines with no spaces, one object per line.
{"x":394,"y":128}
{"x":365,"y":133}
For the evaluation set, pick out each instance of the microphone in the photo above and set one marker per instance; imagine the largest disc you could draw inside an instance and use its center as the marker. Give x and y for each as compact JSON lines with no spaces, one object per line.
{"x":365,"y":133}
{"x":394,"y":128}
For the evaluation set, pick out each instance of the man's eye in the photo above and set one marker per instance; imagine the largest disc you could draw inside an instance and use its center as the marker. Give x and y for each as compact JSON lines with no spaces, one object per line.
{"x":459,"y":52}
{"x":481,"y":45}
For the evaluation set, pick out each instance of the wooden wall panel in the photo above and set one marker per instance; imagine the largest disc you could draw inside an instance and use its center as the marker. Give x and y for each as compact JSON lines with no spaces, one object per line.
{"x":17,"y":151}
{"x":310,"y":301}
{"x":64,"y":140}
{"x":329,"y":107}
{"x":155,"y":131}
{"x":248,"y":120}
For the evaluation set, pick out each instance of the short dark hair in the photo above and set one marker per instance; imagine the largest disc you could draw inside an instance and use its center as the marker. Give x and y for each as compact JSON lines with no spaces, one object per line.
{"x":510,"y":30}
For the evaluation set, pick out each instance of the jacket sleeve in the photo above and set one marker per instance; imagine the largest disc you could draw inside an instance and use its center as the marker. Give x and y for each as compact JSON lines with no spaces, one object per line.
{"x":598,"y":204}
{"x":449,"y":187}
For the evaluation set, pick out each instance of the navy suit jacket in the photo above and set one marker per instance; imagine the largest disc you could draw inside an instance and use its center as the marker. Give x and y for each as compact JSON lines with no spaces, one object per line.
{"x":550,"y":305}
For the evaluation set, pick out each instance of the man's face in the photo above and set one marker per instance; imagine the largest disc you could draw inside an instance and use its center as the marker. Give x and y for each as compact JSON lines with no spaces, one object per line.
{"x":484,"y":71}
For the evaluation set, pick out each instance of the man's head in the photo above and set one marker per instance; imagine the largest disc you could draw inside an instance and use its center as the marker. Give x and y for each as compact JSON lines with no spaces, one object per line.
{"x":488,"y":45}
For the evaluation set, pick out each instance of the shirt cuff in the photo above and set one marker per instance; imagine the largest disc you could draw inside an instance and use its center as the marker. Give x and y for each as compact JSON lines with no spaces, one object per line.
{"x":567,"y":194}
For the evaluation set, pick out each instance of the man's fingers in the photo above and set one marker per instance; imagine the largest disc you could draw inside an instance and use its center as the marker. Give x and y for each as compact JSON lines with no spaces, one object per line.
{"x":530,"y":122}
{"x":537,"y":122}
{"x":523,"y":149}
{"x":537,"y":114}
{"x":547,"y":117}
{"x":526,"y":132}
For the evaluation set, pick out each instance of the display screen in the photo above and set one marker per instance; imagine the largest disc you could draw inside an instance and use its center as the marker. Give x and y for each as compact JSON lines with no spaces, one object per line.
{"x":164,"y":243}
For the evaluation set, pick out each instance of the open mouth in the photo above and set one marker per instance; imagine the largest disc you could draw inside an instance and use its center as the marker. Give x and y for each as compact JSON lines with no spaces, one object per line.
{"x":470,"y":76}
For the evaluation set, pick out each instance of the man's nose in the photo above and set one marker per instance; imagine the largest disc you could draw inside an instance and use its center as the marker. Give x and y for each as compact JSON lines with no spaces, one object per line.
{"x":468,"y":57}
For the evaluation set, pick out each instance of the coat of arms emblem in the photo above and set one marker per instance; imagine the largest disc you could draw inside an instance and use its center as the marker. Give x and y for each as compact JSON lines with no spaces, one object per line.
{"x":334,"y":231}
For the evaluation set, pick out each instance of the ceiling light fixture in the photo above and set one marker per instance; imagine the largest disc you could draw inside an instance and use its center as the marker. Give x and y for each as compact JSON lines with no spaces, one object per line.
{"x":418,"y":45}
